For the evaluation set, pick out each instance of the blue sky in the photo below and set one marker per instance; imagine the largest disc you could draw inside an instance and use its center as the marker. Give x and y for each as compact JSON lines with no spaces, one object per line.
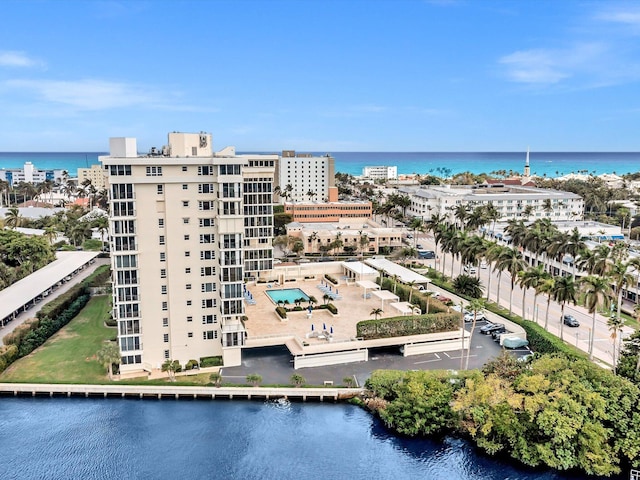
{"x":376,"y":75}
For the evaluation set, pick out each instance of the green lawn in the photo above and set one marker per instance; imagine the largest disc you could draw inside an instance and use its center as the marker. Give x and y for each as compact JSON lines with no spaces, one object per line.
{"x":68,"y":356}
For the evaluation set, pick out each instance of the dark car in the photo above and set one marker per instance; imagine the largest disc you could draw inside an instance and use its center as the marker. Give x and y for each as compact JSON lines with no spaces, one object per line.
{"x":570,"y":321}
{"x":489,"y":328}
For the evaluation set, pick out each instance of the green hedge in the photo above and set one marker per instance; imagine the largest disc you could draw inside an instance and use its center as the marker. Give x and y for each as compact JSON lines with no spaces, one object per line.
{"x":330,"y":278}
{"x":210,"y":361}
{"x":8,"y":354}
{"x":332,"y":308}
{"x":282,"y":312}
{"x":404,"y":326}
{"x":417,"y":297}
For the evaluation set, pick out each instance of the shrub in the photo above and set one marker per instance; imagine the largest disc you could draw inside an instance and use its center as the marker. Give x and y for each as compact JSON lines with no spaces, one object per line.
{"x":210,"y":361}
{"x":282,"y":312}
{"x":331,"y":279}
{"x":191,"y":364}
{"x":332,"y":308}
{"x":404,"y":326}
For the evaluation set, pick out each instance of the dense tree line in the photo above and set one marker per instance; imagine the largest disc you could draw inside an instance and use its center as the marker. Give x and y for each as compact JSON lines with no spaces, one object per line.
{"x":21,"y":255}
{"x":552,"y":411}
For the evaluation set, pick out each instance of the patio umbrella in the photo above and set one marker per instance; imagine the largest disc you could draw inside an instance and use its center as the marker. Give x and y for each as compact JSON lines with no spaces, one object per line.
{"x":312,"y":327}
{"x":310,"y":309}
{"x":324,"y":327}
{"x":331,"y":329}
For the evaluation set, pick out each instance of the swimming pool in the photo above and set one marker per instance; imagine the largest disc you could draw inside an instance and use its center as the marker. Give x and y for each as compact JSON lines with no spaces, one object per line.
{"x":287,"y":295}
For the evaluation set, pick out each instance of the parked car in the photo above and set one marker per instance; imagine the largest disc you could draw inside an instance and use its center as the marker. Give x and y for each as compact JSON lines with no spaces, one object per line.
{"x":443,"y":299}
{"x":409,"y":235}
{"x":514,"y":342}
{"x":468,"y":317}
{"x":484,"y":264}
{"x":489,"y":328}
{"x":426,"y":254}
{"x":419,"y":247}
{"x":570,"y":321}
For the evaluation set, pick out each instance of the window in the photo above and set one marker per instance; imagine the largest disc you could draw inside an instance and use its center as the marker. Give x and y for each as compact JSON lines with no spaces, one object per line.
{"x":209,"y":303}
{"x":189,"y":318}
{"x":163,"y":256}
{"x":207,"y":255}
{"x":161,"y":239}
{"x":205,"y":170}
{"x":229,"y":169}
{"x":185,"y":203}
{"x":206,"y":222}
{"x":189,"y":303}
{"x":187,"y":270}
{"x":207,"y":238}
{"x":165,"y":306}
{"x":205,"y":205}
{"x":185,"y":220}
{"x":165,"y":337}
{"x":185,"y":186}
{"x":161,"y":222}
{"x":118,"y":170}
{"x":194,"y":151}
{"x":186,"y":237}
{"x":184,"y":168}
{"x":208,"y":287}
{"x":190,"y":334}
{"x":163,"y":289}
{"x":188,"y":286}
{"x":154,"y":171}
{"x":205,"y":188}
{"x":207,"y":271}
{"x":209,"y":319}
{"x":210,"y":335}
{"x":165,"y":322}
{"x":166,"y":354}
{"x":187,"y":254}
{"x":160,"y":190}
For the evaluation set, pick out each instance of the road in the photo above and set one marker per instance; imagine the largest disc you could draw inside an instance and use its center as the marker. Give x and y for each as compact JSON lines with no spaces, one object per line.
{"x":23,"y":316}
{"x":579,"y":337}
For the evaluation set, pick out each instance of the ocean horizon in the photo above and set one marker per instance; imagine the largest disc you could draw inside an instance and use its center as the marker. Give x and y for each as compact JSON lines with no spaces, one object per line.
{"x":549,"y":164}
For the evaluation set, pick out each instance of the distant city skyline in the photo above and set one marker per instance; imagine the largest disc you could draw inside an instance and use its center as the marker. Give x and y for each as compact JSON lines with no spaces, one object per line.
{"x":420,"y":76}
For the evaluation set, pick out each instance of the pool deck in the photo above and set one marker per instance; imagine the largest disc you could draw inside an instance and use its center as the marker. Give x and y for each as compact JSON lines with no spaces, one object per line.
{"x":264,"y":323}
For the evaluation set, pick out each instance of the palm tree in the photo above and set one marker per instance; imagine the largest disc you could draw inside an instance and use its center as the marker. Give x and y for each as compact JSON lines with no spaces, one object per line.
{"x":492,"y":256}
{"x":476,"y":305}
{"x":565,"y":291}
{"x":376,"y":312}
{"x":547,"y":287}
{"x":108,"y":355}
{"x":13,"y":219}
{"x":531,"y":278}
{"x":615,"y":324}
{"x":511,"y":261}
{"x":410,"y":285}
{"x":50,"y":234}
{"x":597,"y":292}
{"x":621,"y":278}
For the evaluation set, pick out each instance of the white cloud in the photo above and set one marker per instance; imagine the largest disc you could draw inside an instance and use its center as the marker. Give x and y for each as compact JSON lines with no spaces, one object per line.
{"x":16,"y":59}
{"x":552,"y":66}
{"x":627,"y":17}
{"x":87,"y":94}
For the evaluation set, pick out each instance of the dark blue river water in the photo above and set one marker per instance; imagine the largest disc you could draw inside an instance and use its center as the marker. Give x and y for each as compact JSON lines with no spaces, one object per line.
{"x":81,"y":438}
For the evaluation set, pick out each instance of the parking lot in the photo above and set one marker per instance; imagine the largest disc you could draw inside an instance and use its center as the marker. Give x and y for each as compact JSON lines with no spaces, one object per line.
{"x":275,"y":364}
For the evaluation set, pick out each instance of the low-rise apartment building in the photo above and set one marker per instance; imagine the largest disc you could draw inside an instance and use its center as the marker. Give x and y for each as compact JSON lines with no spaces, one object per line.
{"x":319,"y":212}
{"x":527,"y":203}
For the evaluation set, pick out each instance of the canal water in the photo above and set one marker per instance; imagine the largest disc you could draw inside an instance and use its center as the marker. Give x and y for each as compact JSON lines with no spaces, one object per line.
{"x":77,"y":438}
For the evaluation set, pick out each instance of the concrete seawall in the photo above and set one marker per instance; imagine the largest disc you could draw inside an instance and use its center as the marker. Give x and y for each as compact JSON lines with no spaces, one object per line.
{"x":316,"y":394}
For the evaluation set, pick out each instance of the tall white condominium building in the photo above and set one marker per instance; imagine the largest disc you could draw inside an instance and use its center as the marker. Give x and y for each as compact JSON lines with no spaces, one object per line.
{"x":187,"y":227}
{"x":299,"y":175}
{"x":380,"y":172}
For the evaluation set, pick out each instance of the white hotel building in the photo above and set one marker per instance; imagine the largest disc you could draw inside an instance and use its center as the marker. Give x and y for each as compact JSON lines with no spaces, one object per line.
{"x":380,"y":172}
{"x":306,"y":173}
{"x":510,"y":201}
{"x":188,"y":226}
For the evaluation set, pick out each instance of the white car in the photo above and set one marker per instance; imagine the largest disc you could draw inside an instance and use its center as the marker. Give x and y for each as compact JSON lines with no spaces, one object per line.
{"x":470,"y":269}
{"x":479,"y":316}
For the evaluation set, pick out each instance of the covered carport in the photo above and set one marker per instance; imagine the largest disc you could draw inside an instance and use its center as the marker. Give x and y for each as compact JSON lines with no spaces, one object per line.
{"x":394,"y":270}
{"x":26,"y":292}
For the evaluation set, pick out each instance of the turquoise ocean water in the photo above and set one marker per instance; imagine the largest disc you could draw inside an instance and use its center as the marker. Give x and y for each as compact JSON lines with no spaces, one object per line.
{"x":438,"y":163}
